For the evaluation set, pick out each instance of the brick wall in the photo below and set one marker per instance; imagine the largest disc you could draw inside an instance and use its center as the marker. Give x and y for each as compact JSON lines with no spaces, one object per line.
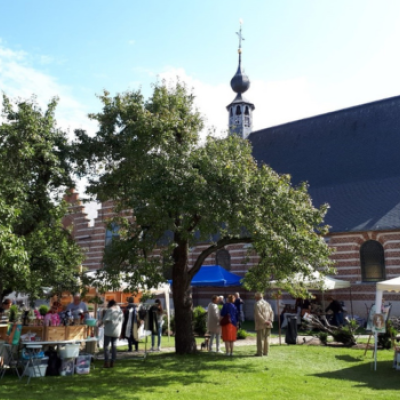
{"x":346,"y":257}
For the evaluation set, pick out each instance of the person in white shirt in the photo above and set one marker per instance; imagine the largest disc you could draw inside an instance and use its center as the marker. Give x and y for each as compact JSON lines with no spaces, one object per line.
{"x":213,"y":326}
{"x":78,"y":307}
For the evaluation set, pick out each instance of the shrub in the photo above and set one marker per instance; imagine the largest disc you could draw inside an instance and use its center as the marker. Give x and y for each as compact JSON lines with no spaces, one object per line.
{"x":13,"y":313}
{"x":242,"y":334}
{"x":43,"y":310}
{"x":171,"y":325}
{"x":199,"y":320}
{"x":323,"y":337}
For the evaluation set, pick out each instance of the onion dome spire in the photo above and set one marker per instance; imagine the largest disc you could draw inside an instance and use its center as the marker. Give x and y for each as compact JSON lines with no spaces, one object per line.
{"x":240,"y":82}
{"x":240,"y":110}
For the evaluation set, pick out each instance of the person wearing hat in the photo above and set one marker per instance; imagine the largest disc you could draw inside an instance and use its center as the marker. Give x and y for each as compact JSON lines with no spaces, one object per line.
{"x":263,"y":318}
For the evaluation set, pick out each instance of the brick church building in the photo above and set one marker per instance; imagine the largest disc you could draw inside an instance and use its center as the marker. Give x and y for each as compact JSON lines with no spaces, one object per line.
{"x":350,"y":158}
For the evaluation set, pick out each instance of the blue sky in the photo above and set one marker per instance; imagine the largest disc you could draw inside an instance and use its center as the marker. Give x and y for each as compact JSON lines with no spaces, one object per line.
{"x":303,"y":57}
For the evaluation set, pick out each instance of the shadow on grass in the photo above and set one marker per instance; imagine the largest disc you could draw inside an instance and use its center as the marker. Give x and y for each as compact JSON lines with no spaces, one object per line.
{"x":348,"y":358}
{"x":130,"y":379}
{"x":384,"y":378}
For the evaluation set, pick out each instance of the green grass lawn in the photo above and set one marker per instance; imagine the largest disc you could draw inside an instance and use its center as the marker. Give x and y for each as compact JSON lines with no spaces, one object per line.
{"x":290,"y":372}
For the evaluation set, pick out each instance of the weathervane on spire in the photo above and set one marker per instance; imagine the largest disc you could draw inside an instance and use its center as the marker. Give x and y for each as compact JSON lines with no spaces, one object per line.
{"x":240,"y":34}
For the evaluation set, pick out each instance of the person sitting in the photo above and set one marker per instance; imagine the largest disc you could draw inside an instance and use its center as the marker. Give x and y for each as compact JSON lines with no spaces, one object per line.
{"x":298,"y":306}
{"x":337,"y":310}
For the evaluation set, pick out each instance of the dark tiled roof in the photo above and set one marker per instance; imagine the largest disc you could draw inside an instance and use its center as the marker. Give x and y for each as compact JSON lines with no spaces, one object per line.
{"x":351,"y":159}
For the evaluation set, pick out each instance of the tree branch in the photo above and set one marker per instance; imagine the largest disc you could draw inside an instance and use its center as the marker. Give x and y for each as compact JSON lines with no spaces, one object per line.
{"x":196,"y":219}
{"x":219,"y":245}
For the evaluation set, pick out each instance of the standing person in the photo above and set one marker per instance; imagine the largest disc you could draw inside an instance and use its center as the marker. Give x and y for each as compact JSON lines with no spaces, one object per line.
{"x":229,"y":330}
{"x":5,"y":306}
{"x":78,"y":308}
{"x":131,"y":325}
{"x":263,"y":318}
{"x":52,"y":318}
{"x":156,"y":323}
{"x":337,"y":310}
{"x":239,"y":306}
{"x":112,"y":321}
{"x":213,"y":326}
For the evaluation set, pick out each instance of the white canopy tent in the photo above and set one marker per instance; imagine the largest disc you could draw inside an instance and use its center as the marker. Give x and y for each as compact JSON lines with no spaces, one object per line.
{"x":313,"y":281}
{"x":391,"y":285}
{"x":316,"y":281}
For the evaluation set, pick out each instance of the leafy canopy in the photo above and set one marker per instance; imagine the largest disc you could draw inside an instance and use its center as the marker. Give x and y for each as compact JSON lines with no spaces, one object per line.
{"x":146,"y":157}
{"x":35,"y":249}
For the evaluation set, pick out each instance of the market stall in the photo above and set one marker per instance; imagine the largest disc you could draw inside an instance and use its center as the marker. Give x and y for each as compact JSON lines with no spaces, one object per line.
{"x":121,"y":295}
{"x":391,"y":285}
{"x":313,"y":281}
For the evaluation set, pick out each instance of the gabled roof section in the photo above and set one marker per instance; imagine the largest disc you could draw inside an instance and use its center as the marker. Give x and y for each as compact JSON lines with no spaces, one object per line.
{"x":350,"y":157}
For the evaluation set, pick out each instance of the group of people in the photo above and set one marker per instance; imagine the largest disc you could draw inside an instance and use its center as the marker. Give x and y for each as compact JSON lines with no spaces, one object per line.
{"x":312,"y":306}
{"x":126,"y":324}
{"x":225,"y":323}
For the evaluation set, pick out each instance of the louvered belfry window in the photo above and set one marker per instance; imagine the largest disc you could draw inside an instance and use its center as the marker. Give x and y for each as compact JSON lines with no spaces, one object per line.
{"x":372,"y":261}
{"x":223,"y":258}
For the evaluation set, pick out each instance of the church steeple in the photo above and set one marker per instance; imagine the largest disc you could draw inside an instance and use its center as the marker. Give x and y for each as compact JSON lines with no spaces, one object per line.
{"x":240,"y":110}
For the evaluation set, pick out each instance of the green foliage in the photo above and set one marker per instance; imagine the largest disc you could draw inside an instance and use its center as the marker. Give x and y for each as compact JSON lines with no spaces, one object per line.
{"x":13,"y":313}
{"x":43,"y":309}
{"x":385,"y":339}
{"x":323,"y":337}
{"x":199,"y":320}
{"x":35,"y":249}
{"x":146,"y":156}
{"x":242,"y":334}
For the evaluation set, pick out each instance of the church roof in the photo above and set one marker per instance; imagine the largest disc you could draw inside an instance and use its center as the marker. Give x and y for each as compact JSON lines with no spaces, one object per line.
{"x":350,"y":158}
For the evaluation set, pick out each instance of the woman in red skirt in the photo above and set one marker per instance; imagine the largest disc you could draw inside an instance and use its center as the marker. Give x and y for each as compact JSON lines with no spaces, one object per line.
{"x":229,"y":330}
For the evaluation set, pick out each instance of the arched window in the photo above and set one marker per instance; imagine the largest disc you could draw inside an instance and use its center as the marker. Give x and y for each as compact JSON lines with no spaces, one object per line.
{"x":231,"y":112}
{"x":246,"y":111}
{"x":238,"y":110}
{"x":223,"y":258}
{"x":372,"y":261}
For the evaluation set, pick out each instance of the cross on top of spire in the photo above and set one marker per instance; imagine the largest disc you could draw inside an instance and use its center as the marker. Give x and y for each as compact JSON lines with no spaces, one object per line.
{"x":240,"y":34}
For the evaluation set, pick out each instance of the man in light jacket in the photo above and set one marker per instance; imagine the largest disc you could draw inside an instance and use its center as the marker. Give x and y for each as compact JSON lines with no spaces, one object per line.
{"x":263,"y":318}
{"x":112,"y":321}
{"x":213,"y":326}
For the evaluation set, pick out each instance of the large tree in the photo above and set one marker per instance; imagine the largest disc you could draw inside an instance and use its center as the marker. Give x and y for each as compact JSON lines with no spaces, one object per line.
{"x":35,"y":249}
{"x":147,"y":157}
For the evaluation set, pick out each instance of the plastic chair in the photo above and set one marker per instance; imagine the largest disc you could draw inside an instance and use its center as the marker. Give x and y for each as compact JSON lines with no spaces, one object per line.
{"x":8,"y":360}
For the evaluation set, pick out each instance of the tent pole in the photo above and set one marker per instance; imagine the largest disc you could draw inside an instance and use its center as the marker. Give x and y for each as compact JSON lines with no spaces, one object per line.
{"x":351,"y":303}
{"x":279,"y":320}
{"x":376,"y":350}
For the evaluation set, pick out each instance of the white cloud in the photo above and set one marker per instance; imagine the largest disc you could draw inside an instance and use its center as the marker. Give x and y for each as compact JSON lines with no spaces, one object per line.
{"x":276,"y":102}
{"x":18,"y":79}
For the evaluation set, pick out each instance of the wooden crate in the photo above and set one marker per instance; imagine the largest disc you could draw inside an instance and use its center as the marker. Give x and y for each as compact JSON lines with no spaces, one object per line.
{"x":3,"y":332}
{"x":76,"y":332}
{"x":37,"y":330}
{"x":54,"y":333}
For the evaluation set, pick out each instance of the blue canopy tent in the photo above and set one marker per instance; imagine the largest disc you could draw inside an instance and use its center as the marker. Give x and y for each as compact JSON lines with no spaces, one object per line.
{"x":215,"y":276}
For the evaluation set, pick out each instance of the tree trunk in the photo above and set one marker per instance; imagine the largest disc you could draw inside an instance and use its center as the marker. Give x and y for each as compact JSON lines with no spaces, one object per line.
{"x":184,"y":337}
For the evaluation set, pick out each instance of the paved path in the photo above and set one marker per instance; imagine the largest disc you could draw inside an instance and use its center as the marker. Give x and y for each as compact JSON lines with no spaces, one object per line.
{"x":250,"y":341}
